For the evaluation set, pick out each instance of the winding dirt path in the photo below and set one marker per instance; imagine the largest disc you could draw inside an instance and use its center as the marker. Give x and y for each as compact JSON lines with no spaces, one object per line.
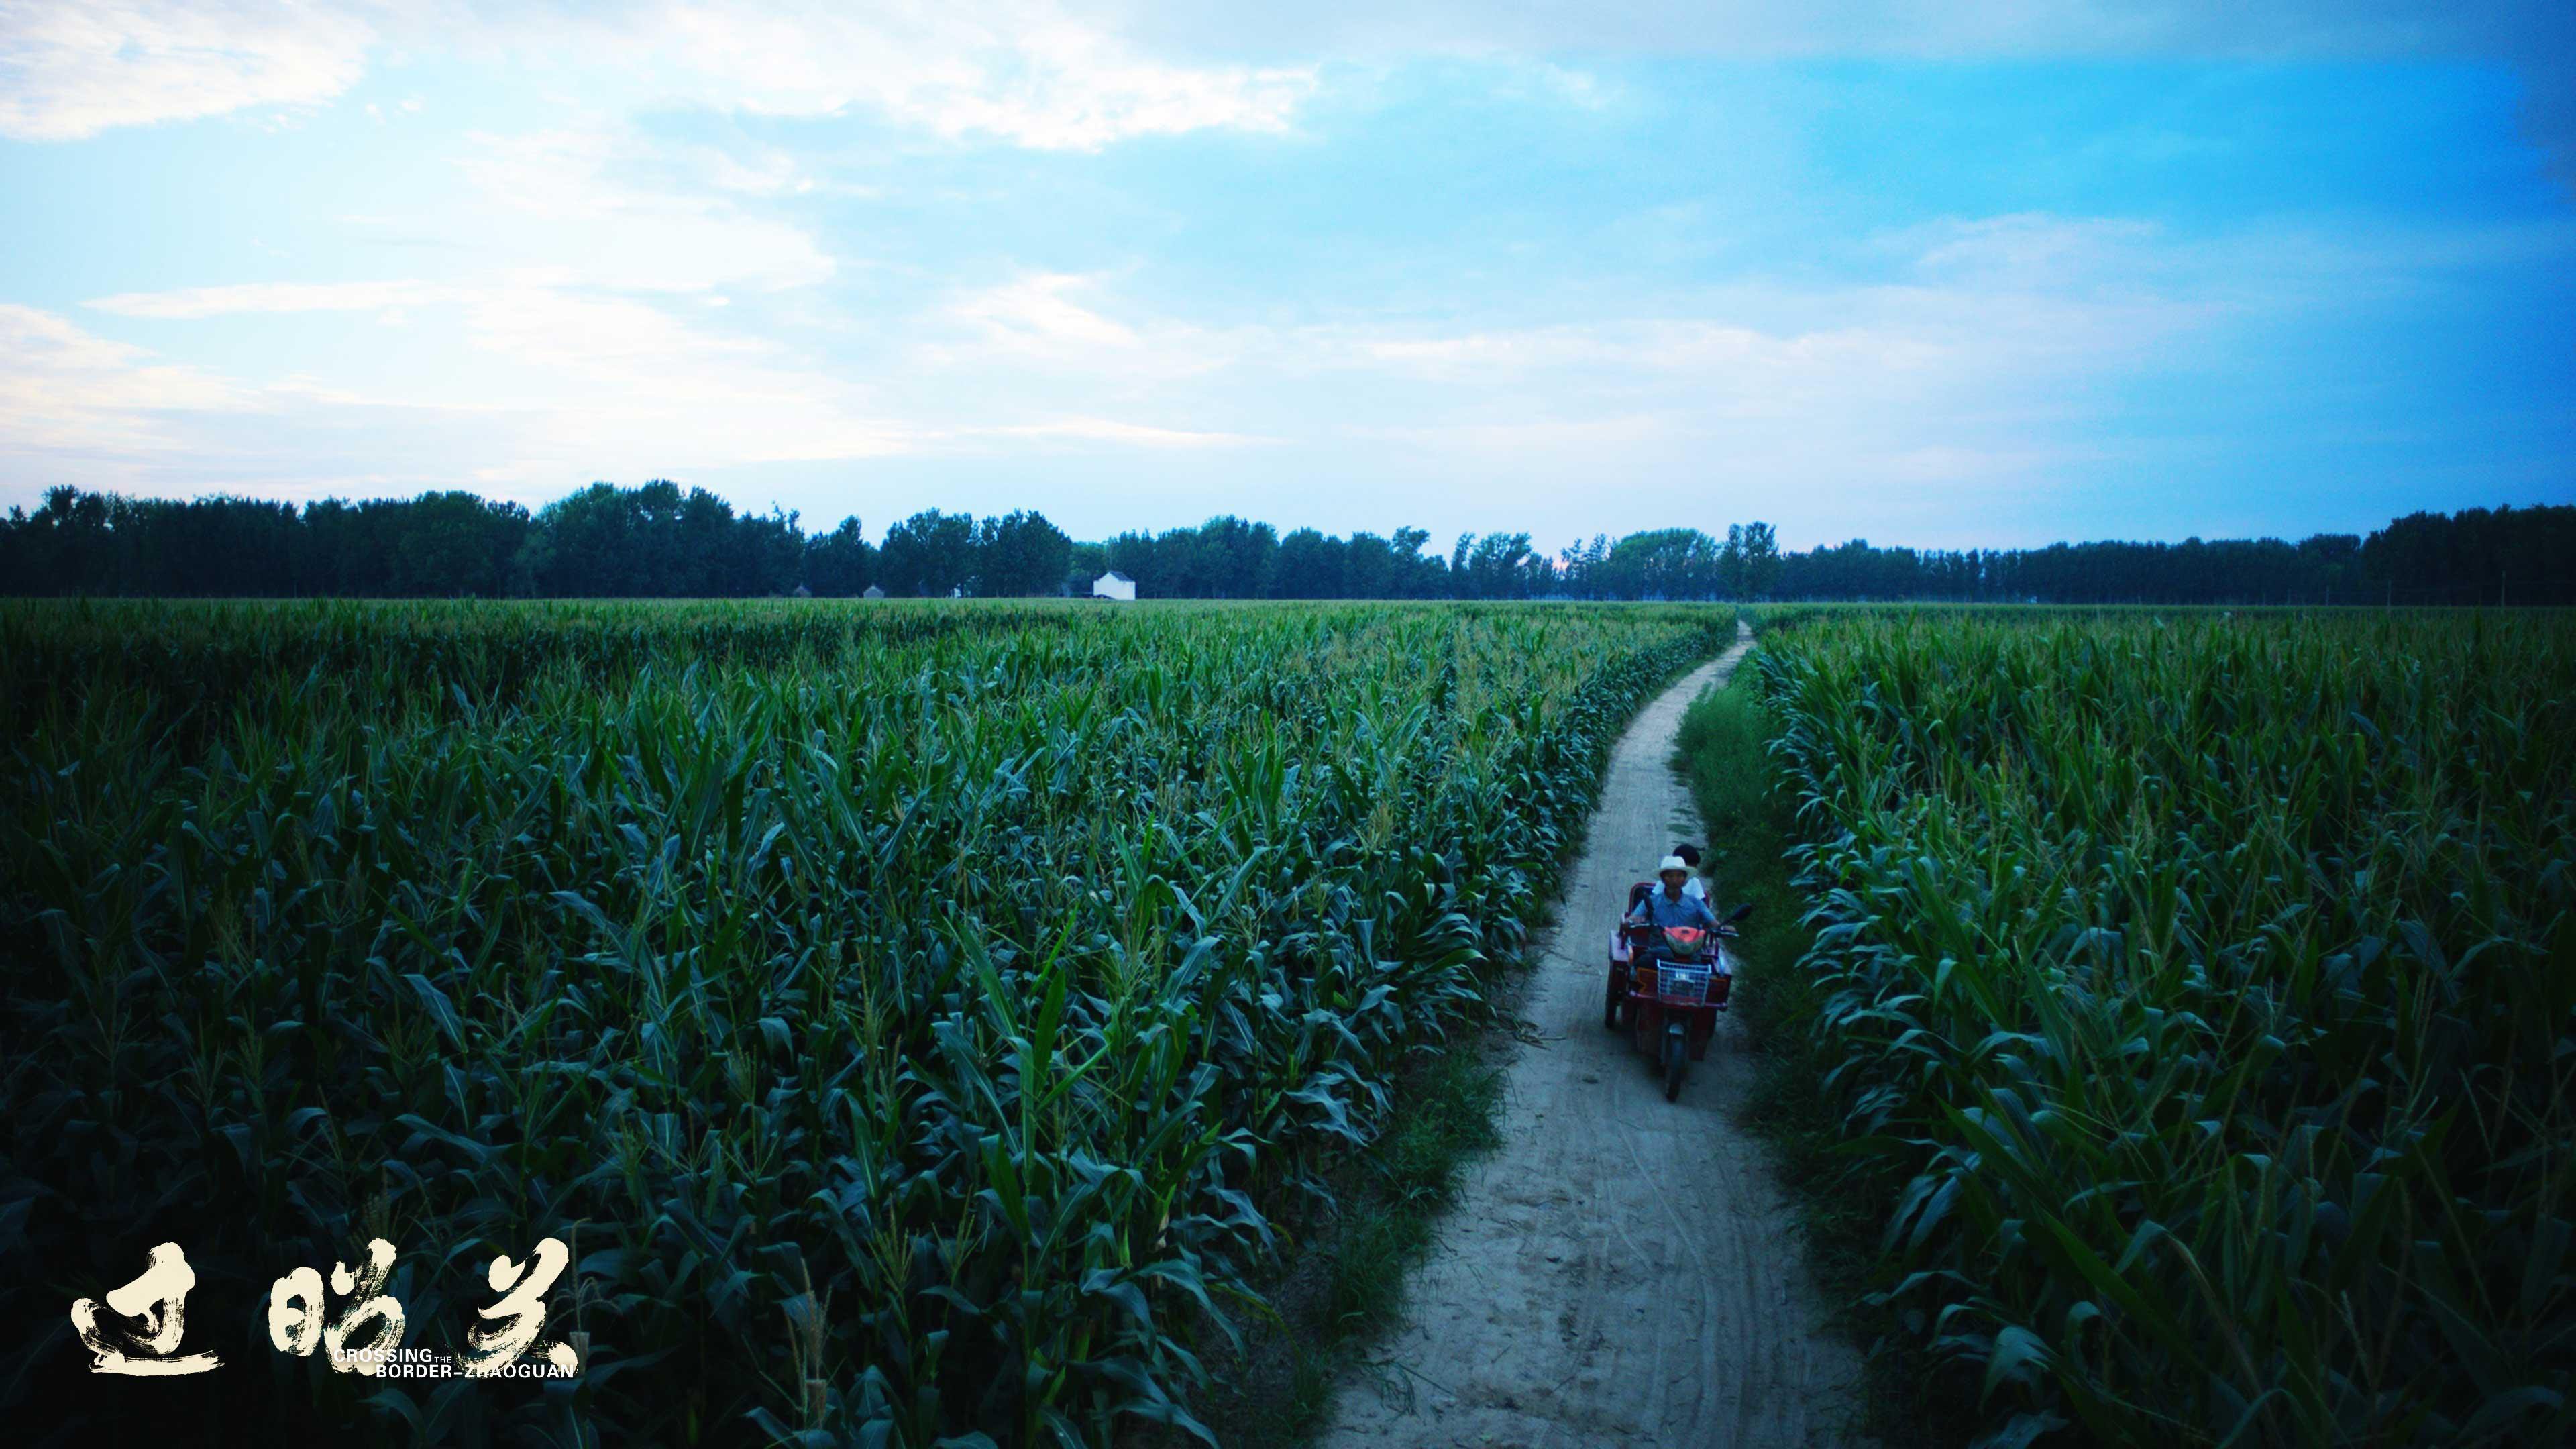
{"x":1623,"y":1271}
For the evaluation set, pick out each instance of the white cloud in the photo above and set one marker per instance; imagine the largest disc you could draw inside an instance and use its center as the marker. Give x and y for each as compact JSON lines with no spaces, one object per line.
{"x":1758,"y":29}
{"x":73,"y":68}
{"x":1523,"y":436}
{"x":769,"y":173}
{"x":601,"y":206}
{"x":197,"y":302}
{"x":1660,"y":345}
{"x":555,"y":384}
{"x":80,"y":409}
{"x":1957,"y":370}
{"x":1968,"y":303}
{"x":628,"y":389}
{"x":570,"y":385}
{"x":65,"y":391}
{"x":1104,"y":430}
{"x":1033,"y":315}
{"x":1968,"y":353}
{"x":1060,"y":324}
{"x":2024,"y":247}
{"x":1939,"y":464}
{"x":1019,"y":71}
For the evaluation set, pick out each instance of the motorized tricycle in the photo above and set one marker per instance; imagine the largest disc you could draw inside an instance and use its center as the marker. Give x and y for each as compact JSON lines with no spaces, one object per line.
{"x":1667,"y":986}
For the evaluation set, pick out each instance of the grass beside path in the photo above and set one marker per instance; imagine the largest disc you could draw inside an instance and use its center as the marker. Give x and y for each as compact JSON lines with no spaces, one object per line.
{"x":1346,"y":1280}
{"x":1844,"y":1204}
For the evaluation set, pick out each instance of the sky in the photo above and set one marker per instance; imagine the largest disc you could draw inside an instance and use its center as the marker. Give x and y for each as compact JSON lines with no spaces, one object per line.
{"x":1941,"y":274}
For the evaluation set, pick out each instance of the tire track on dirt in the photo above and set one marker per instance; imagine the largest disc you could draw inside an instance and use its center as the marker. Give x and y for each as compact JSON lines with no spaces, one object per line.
{"x":1622,"y":1270}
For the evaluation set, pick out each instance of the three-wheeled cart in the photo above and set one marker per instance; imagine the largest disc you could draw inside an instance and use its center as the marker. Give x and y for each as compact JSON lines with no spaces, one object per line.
{"x":1667,"y":987}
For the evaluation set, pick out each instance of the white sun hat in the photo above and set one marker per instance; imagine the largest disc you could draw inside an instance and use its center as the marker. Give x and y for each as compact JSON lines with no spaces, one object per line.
{"x":1673,"y":862}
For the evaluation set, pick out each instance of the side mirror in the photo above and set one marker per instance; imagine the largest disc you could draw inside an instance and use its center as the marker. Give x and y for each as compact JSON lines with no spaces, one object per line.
{"x":1741,"y":912}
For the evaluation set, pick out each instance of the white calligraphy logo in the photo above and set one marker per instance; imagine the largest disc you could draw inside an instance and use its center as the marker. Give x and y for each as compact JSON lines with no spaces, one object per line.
{"x":296,"y":1322}
{"x":490,"y":1350}
{"x":295,"y":1311}
{"x":158,"y":1296}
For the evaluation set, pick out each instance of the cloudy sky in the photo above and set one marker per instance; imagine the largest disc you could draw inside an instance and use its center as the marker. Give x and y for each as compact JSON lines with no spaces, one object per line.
{"x":1932,"y":273}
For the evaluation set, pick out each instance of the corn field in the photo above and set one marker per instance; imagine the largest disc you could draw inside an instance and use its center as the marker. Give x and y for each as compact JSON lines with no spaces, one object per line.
{"x":912,"y":1016}
{"x":2209,"y":983}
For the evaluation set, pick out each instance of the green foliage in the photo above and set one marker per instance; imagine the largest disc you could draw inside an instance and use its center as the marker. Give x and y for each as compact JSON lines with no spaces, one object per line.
{"x":1722,"y":745}
{"x":1751,"y":815}
{"x":653,"y":542}
{"x":1223,"y":558}
{"x":840,"y":564}
{"x":1346,"y":1278}
{"x":2473,"y":557}
{"x":2211,"y":983}
{"x":1659,"y":563}
{"x":910,"y":1013}
{"x":1020,"y":554}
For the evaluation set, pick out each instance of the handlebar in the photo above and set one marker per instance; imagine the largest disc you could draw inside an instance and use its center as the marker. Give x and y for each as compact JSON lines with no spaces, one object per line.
{"x":1638,"y":928}
{"x":1657,"y":943}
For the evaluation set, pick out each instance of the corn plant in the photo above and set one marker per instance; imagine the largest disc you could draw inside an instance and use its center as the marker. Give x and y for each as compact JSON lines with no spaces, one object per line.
{"x":2209,"y":980}
{"x":912,"y":1014}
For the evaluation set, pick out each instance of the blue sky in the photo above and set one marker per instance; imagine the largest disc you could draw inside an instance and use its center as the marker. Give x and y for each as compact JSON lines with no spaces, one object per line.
{"x":1936,"y":275}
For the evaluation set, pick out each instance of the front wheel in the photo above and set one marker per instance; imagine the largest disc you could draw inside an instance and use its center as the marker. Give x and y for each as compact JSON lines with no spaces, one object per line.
{"x":1610,"y":1001}
{"x":1676,"y":1064}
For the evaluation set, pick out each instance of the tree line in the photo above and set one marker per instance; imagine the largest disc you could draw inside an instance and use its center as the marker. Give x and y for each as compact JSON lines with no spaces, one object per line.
{"x":2477,"y":556}
{"x":659,"y":541}
{"x":653,"y":541}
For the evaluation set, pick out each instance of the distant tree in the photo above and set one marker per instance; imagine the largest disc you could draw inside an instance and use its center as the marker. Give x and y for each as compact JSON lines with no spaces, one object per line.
{"x":1138,"y":556}
{"x":1089,"y":562}
{"x":928,"y":554}
{"x":2505,"y":555}
{"x":455,"y":544}
{"x":1663,"y":563}
{"x":765,"y":554}
{"x":72,"y":540}
{"x":1495,"y":567}
{"x":1582,"y":575}
{"x":1240,"y":556}
{"x":839,"y":564}
{"x":1020,"y":554}
{"x":1309,"y":566}
{"x":1369,"y":568}
{"x":592,"y":545}
{"x":1756,"y":550}
{"x":700,"y":561}
{"x":350,"y":551}
{"x":1413,"y":576}
{"x":1223,"y":558}
{"x":658,"y":536}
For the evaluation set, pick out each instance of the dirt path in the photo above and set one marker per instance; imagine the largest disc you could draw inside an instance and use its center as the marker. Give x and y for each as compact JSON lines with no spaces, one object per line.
{"x":1623,"y":1270}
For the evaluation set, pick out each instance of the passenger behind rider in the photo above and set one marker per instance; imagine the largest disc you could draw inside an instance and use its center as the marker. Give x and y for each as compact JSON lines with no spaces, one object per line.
{"x":1672,"y":906}
{"x":1690,"y":857}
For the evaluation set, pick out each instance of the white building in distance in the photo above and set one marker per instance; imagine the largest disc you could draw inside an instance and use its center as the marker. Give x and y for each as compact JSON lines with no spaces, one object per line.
{"x":1114,"y":585}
